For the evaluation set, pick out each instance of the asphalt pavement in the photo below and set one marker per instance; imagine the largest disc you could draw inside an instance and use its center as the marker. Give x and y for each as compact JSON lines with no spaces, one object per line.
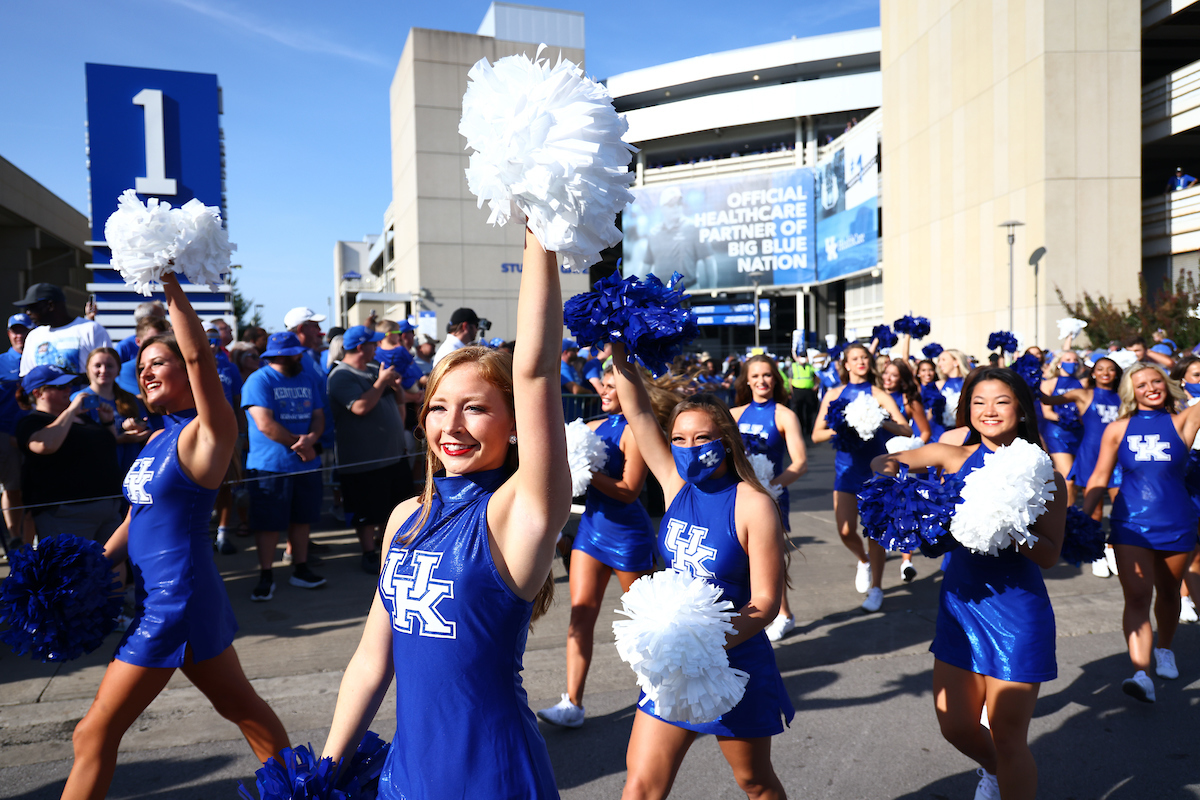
{"x":864,"y":725}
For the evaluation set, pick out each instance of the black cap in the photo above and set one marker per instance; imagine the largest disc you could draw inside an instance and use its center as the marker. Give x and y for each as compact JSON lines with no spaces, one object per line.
{"x":462,"y":315}
{"x":42,"y":291}
{"x":334,"y":331}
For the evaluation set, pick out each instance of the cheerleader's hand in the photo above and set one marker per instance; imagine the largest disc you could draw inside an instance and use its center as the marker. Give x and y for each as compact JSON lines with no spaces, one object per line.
{"x":105,"y":412}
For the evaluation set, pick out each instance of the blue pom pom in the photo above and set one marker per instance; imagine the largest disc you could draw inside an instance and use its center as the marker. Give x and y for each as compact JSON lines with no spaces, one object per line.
{"x":916,"y":327}
{"x":835,"y":353}
{"x":1002,"y":340}
{"x":365,"y":767}
{"x":647,"y":316}
{"x":1068,"y":416}
{"x":885,"y":336}
{"x":933,"y":400}
{"x":846,"y":439}
{"x":301,"y":776}
{"x":60,"y":600}
{"x":907,"y":513}
{"x":932,"y":350}
{"x":1083,"y":541}
{"x":1030,"y":369}
{"x":757,"y":445}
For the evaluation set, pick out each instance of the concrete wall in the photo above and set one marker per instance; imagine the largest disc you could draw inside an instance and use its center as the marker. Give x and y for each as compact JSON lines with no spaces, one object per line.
{"x":1009,"y":109}
{"x":443,"y":243}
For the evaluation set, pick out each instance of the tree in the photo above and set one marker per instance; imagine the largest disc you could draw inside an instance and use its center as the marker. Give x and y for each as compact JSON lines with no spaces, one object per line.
{"x":242,"y":306}
{"x":1173,"y":308}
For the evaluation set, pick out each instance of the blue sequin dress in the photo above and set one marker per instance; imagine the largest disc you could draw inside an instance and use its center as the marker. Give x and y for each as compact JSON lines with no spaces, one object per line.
{"x":853,"y":469}
{"x":618,"y":535}
{"x":1104,"y":408}
{"x":1057,"y":437}
{"x":1149,"y":511}
{"x":760,"y":435}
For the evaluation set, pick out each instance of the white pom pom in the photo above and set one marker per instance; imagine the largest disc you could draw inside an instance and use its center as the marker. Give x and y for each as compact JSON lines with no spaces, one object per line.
{"x":547,"y":144}
{"x":586,"y":454}
{"x":898,"y":444}
{"x":950,"y":413}
{"x":202,"y":246}
{"x":1070,"y":327}
{"x":1123,"y":358}
{"x":865,"y":415}
{"x":1001,"y":499}
{"x":142,"y":240}
{"x":764,"y":470}
{"x":675,"y":641}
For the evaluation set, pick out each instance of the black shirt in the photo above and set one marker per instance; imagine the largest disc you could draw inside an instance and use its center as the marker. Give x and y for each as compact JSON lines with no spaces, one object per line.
{"x":84,"y":467}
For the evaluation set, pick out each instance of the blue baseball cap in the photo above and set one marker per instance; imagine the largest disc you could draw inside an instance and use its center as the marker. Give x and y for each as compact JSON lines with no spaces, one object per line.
{"x":284,"y":343}
{"x":20,"y":319}
{"x":495,"y":342}
{"x":45,"y":375}
{"x":404,"y":326}
{"x":569,"y":344}
{"x":357,"y":335}
{"x":1161,"y":349}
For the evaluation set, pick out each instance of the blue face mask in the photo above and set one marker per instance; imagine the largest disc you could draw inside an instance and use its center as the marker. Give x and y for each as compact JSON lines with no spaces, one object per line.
{"x":697,"y":464}
{"x":1069,"y":367}
{"x":1193,"y":389}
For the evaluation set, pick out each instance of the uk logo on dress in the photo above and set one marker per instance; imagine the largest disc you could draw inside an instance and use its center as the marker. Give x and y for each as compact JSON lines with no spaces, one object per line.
{"x":1149,"y":448}
{"x":139,"y":475}
{"x":415,"y":596}
{"x":689,"y":554}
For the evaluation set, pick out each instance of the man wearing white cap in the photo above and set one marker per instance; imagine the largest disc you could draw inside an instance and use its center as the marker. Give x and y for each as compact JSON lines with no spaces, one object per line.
{"x":306,"y":325}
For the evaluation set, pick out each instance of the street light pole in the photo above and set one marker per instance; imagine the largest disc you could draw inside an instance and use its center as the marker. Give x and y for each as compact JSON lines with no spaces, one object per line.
{"x":1012,"y":225}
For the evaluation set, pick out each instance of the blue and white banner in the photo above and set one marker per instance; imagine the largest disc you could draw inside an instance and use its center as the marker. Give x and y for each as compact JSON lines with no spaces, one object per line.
{"x":847,"y":206}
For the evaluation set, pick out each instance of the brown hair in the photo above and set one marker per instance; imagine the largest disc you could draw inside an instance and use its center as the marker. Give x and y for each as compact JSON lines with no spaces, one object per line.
{"x":125,"y":402}
{"x":743,"y":394}
{"x":495,"y":367}
{"x":908,"y":383}
{"x":156,"y":324}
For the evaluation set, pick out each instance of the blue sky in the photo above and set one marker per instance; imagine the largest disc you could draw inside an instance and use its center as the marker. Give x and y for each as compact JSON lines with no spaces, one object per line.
{"x":305,"y":88}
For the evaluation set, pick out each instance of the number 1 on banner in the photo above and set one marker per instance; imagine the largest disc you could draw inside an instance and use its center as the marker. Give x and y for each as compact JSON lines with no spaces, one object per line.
{"x":156,"y":180}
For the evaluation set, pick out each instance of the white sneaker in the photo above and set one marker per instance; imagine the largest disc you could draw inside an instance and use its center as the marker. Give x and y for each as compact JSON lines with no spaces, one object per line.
{"x":780,"y":627}
{"x":907,"y":571}
{"x":1187,"y":610}
{"x":1139,"y":687}
{"x":874,"y":600}
{"x":1100,"y":567}
{"x":862,"y":578}
{"x":988,"y":788}
{"x":1164,"y":664}
{"x":566,"y":714}
{"x":1110,"y":555}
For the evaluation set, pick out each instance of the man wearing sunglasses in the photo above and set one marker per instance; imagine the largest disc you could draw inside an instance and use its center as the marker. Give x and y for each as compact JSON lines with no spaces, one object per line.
{"x":57,"y":339}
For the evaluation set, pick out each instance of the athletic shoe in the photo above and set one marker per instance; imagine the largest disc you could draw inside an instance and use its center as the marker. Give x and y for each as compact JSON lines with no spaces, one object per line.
{"x":988,"y":788}
{"x":1187,"y":610}
{"x":907,"y":571}
{"x":874,"y":600}
{"x":780,"y":628}
{"x":862,"y":578}
{"x":225,"y":547}
{"x":287,"y":557}
{"x":1100,"y":567}
{"x":305,"y":578}
{"x":566,"y":714}
{"x":371,"y":562}
{"x":1110,"y":555}
{"x":264,"y":591}
{"x":1164,"y":664}
{"x":1139,"y":687}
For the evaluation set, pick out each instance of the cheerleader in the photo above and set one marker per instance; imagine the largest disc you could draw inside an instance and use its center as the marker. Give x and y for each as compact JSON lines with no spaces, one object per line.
{"x":994,"y":642}
{"x":927,"y":377}
{"x":1187,"y":373}
{"x":897,"y":381}
{"x":852,"y":470}
{"x":722,"y":525}
{"x":769,"y":427}
{"x":183,"y":620}
{"x":1061,"y":440}
{"x":1152,"y":532}
{"x":1097,"y":407}
{"x":615,"y":535}
{"x":467,"y":567}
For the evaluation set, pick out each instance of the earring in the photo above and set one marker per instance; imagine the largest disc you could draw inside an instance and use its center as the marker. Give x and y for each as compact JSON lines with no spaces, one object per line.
{"x":512,"y":439}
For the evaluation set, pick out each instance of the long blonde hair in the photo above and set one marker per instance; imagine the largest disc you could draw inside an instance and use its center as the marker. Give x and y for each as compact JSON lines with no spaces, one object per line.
{"x":495,"y":367}
{"x":964,"y":366}
{"x":1177,"y":398}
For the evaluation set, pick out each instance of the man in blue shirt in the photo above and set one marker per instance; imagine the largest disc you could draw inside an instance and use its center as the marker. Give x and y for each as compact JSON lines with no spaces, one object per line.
{"x":10,"y":414}
{"x":284,"y":405}
{"x":569,"y":351}
{"x":393,"y":351}
{"x":1179,"y":181}
{"x":593,"y":370}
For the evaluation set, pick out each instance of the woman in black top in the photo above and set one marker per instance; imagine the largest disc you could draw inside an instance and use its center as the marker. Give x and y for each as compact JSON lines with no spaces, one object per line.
{"x":68,"y":457}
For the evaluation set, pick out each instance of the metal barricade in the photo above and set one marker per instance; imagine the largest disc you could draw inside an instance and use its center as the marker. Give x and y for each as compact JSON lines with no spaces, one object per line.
{"x":581,"y":406}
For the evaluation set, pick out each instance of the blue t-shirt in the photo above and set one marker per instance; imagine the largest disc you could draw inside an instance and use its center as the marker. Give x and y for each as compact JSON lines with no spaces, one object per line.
{"x":231,"y":378}
{"x":568,"y":373}
{"x":1180,"y":182}
{"x":399,"y":359}
{"x":291,"y":400}
{"x":10,"y":412}
{"x":127,"y":348}
{"x":594,"y":368}
{"x":127,"y":377}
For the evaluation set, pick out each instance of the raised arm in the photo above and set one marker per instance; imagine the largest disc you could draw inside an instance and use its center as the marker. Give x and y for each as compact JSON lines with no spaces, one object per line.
{"x":531,"y":507}
{"x":207,"y":445}
{"x":635,"y":403}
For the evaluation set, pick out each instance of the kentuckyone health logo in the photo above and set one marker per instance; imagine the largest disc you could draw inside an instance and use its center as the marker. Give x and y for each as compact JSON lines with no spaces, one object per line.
{"x":415,"y":597}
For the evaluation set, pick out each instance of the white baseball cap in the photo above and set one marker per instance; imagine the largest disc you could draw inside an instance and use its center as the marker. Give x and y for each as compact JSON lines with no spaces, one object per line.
{"x":299,"y":316}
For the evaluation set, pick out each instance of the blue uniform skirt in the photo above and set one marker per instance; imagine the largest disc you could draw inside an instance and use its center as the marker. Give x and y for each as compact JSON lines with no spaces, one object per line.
{"x":617,"y":535}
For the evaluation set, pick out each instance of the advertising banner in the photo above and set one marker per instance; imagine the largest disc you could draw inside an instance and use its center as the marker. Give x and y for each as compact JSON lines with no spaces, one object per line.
{"x":722,"y":232}
{"x":847,"y":201}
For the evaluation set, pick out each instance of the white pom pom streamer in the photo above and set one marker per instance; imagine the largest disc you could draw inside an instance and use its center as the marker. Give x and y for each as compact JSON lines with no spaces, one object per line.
{"x":547,"y":144}
{"x":950,"y":413}
{"x":764,"y":470}
{"x":1123,"y":358}
{"x":1070,"y":327}
{"x":865,"y":415}
{"x":1001,"y":499}
{"x":675,"y":641}
{"x":151,"y":239}
{"x":586,"y":453}
{"x":898,"y":444}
